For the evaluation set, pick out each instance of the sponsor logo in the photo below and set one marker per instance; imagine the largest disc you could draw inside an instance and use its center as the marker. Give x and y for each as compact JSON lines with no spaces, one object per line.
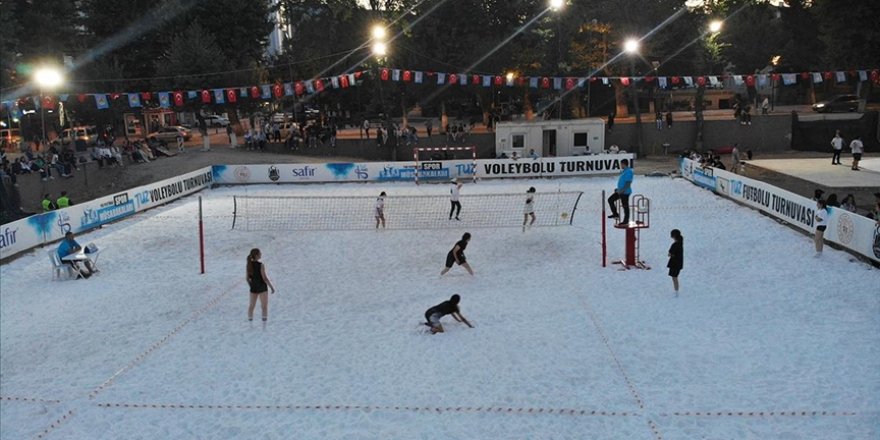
{"x":704,"y":177}
{"x":361,"y":172}
{"x":242,"y":173}
{"x":274,"y":175}
{"x":340,"y":170}
{"x":7,"y":238}
{"x":95,"y":217}
{"x":845,"y":229}
{"x":723,"y":185}
{"x":305,"y":171}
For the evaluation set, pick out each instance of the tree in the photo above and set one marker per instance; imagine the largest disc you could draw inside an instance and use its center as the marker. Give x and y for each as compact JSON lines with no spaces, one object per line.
{"x":850,"y":31}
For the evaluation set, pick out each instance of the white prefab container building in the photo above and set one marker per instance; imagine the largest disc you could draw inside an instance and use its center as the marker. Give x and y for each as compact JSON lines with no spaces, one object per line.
{"x":574,"y":137}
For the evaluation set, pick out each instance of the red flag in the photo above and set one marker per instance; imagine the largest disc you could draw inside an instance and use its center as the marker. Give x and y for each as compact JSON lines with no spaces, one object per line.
{"x":701,"y":81}
{"x":829,"y":76}
{"x":521,"y":81}
{"x":750,"y":81}
{"x":82,"y":97}
{"x":299,"y":88}
{"x":775,"y":76}
{"x":255,"y":92}
{"x":407,"y":75}
{"x":475,"y":80}
{"x":649,"y":79}
{"x":875,"y":76}
{"x":206,"y":96}
{"x":545,"y":83}
{"x":453,"y":78}
{"x":569,"y":83}
{"x":625,"y":81}
{"x":178,"y":99}
{"x":805,"y":75}
{"x":146,"y":96}
{"x":343,"y":81}
{"x":115,"y":95}
{"x":499,"y":81}
{"x":277,"y":90}
{"x":231,"y":96}
{"x":384,"y":74}
{"x":675,"y":80}
{"x":319,"y":85}
{"x":48,"y":103}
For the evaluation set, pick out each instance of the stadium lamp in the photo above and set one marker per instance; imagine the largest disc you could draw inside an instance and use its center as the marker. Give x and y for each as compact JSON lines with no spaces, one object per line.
{"x":379,"y":32}
{"x":557,"y":4}
{"x":510,"y":76}
{"x":631,"y":46}
{"x":380,"y":49}
{"x":715,"y":26}
{"x":48,"y":78}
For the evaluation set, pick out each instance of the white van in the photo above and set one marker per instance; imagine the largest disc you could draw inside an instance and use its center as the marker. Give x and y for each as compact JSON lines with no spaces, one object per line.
{"x":87,"y":134}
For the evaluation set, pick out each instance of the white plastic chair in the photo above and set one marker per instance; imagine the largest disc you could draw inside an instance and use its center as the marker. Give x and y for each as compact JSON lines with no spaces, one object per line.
{"x":59,"y":268}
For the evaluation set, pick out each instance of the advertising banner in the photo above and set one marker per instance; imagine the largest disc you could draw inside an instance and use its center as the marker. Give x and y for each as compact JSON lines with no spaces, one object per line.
{"x":855,"y":232}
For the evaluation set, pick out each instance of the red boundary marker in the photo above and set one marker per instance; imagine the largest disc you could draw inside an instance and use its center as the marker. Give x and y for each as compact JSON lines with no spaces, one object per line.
{"x":162,"y":341}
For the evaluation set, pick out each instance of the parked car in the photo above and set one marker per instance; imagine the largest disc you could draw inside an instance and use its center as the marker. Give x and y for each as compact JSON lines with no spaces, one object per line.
{"x":216,"y":121}
{"x":840,"y":103}
{"x":86,"y":134}
{"x":169,"y":133}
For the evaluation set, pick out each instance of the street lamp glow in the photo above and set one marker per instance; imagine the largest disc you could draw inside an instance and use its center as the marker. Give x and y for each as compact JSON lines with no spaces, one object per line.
{"x":557,"y":4}
{"x":48,"y":77}
{"x":379,"y":32}
{"x":715,"y":26}
{"x":380,"y":49}
{"x":509,"y":76}
{"x":631,"y":46}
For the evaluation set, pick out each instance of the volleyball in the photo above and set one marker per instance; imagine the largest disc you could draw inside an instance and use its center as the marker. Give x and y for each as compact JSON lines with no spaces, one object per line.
{"x":564,"y":215}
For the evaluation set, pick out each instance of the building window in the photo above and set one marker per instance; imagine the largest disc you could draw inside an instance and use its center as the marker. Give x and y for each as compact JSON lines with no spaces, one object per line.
{"x":518,"y":141}
{"x":580,"y":140}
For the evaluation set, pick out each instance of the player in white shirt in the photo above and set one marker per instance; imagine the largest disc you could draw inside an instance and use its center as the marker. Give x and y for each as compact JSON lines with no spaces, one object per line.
{"x":529,"y":209}
{"x":380,"y":210}
{"x":454,"y":193}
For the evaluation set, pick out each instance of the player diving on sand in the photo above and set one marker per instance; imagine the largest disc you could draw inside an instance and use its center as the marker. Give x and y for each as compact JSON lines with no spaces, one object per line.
{"x":450,"y":307}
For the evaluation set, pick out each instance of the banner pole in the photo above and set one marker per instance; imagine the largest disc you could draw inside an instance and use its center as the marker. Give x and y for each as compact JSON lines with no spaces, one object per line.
{"x":604,"y":243}
{"x":201,"y":238}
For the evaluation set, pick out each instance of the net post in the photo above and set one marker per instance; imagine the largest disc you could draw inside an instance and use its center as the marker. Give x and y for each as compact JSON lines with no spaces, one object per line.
{"x":474,"y":163}
{"x":234,"y":210}
{"x":416,"y":159}
{"x":604,"y":240}
{"x":201,"y":238}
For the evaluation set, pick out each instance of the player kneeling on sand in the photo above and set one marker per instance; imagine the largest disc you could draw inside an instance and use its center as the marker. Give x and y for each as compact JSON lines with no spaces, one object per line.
{"x":450,"y":307}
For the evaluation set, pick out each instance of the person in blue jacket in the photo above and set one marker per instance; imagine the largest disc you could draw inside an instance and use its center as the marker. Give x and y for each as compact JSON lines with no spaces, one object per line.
{"x":70,"y":246}
{"x":622,"y":192}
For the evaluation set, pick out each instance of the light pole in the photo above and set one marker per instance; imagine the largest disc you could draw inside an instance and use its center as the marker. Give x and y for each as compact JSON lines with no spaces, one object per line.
{"x":556,"y":6}
{"x":380,"y":51}
{"x":46,"y":78}
{"x":631,"y":47}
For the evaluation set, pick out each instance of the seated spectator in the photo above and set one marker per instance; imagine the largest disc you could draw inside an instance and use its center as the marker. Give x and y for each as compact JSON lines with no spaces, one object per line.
{"x":533,"y":155}
{"x":70,"y":246}
{"x":503,"y":155}
{"x":117,"y":155}
{"x":613,"y":149}
{"x":875,"y":212}
{"x":849,"y":203}
{"x":5,"y":172}
{"x":147,"y":152}
{"x":514,"y":156}
{"x":817,"y":194}
{"x":832,"y":201}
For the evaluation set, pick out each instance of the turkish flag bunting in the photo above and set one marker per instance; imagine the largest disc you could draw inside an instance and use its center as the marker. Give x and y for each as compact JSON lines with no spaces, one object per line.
{"x":649,"y":79}
{"x":255,"y":92}
{"x":475,"y":80}
{"x":384,"y":74}
{"x":828,"y":76}
{"x":453,"y":78}
{"x":146,"y":96}
{"x":115,"y":95}
{"x":231,"y":96}
{"x":545,"y":83}
{"x":521,"y":81}
{"x":206,"y":96}
{"x":805,"y":75}
{"x":299,"y":88}
{"x":875,"y":76}
{"x":81,"y":98}
{"x":277,"y":90}
{"x":498,"y":80}
{"x":775,"y":76}
{"x":624,"y":80}
{"x":750,"y":81}
{"x":676,"y":80}
{"x":178,"y":98}
{"x":319,"y":85}
{"x":569,"y":83}
{"x":48,"y":103}
{"x":701,"y":81}
{"x":343,"y":81}
{"x":407,"y":75}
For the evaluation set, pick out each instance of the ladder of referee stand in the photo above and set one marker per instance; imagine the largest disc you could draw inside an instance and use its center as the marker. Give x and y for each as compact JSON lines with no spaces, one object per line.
{"x":640,"y":218}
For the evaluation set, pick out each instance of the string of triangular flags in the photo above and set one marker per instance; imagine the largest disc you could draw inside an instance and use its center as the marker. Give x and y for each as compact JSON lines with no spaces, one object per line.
{"x":278,"y":90}
{"x":179,"y":98}
{"x":663,"y":82}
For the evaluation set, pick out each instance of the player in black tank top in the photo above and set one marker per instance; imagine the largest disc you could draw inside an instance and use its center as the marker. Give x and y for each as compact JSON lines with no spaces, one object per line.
{"x":456,"y":255}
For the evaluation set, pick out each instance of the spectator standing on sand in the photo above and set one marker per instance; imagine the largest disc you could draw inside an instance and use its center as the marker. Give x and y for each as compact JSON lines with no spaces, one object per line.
{"x":836,"y":148}
{"x":857,"y":150}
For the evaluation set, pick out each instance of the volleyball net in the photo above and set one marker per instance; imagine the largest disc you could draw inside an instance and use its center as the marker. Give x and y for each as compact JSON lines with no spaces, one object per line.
{"x":276,"y":213}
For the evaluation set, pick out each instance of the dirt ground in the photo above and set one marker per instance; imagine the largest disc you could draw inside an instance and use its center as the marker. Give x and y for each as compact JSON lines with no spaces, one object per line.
{"x":91,"y":182}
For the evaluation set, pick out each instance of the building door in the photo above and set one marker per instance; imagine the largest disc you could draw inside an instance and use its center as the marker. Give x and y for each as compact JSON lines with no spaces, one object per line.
{"x":549,"y":143}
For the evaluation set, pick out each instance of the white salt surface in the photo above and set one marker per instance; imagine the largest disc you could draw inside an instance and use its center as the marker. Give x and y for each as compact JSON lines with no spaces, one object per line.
{"x":563,"y":348}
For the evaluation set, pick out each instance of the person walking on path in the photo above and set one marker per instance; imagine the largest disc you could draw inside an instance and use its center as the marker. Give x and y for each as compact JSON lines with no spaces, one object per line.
{"x":454,"y":194}
{"x":622,"y":192}
{"x":456,"y":255}
{"x":857,"y":148}
{"x":836,"y":147}
{"x":676,"y":257}
{"x":258,"y":282}
{"x":450,"y":307}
